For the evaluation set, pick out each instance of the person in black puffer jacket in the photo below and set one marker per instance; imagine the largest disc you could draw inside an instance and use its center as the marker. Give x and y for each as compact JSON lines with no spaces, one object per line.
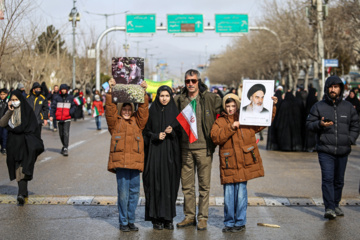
{"x":337,"y":126}
{"x":39,"y":104}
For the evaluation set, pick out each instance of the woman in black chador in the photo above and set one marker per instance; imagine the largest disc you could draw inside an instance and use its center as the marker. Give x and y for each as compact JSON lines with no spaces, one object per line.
{"x":290,"y":124}
{"x":310,"y":137}
{"x":24,"y":144}
{"x":162,"y":169}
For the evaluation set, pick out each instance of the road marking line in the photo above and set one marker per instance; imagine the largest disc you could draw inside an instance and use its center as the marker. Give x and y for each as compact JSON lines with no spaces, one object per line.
{"x":45,"y":159}
{"x":76,"y":144}
{"x":354,"y":166}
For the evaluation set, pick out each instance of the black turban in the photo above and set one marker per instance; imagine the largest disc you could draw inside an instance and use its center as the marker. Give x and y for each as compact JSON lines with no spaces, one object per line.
{"x":255,"y":88}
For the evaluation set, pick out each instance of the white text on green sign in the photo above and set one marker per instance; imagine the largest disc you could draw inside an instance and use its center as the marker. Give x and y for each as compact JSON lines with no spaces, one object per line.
{"x":231,"y":23}
{"x":141,"y":23}
{"x":182,"y":23}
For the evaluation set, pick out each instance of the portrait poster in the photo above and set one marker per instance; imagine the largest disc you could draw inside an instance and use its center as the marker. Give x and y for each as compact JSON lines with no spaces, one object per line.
{"x":128,"y":73}
{"x":256,"y":103}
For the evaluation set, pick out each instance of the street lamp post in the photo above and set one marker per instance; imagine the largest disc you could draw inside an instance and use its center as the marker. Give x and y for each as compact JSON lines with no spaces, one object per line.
{"x":74,"y":17}
{"x":106,"y":25}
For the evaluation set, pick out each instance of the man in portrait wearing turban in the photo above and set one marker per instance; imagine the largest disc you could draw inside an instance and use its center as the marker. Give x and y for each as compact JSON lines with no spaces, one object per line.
{"x":256,"y":95}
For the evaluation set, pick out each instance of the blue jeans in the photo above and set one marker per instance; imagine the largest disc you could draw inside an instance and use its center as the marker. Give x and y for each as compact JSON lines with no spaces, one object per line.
{"x":332,"y":178}
{"x":128,"y":182}
{"x":3,"y":136}
{"x":98,"y":122}
{"x":235,"y":200}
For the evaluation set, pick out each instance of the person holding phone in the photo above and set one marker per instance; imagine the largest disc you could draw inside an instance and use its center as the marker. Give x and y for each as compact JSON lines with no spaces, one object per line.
{"x":24,"y":144}
{"x":336,"y":123}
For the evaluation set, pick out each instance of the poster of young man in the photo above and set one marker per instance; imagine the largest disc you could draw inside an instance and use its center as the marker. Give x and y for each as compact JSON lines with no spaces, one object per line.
{"x":256,"y":105}
{"x":128,"y":73}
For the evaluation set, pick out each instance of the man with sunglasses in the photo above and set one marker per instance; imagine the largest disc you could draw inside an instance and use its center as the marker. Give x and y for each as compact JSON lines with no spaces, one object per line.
{"x":199,"y":153}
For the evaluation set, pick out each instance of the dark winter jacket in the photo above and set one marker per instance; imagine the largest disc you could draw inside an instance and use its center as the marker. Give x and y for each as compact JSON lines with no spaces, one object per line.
{"x":336,"y":139}
{"x":38,"y":103}
{"x":62,"y":106}
{"x":3,"y":106}
{"x":210,"y":105}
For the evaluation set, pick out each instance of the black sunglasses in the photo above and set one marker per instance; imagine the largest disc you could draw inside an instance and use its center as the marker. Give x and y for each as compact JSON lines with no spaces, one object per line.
{"x":193,"y":81}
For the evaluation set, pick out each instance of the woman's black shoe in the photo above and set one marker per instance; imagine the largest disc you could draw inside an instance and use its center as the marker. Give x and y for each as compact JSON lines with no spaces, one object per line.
{"x":169,"y":226}
{"x":132,"y":227}
{"x":21,"y":200}
{"x":158,"y":226}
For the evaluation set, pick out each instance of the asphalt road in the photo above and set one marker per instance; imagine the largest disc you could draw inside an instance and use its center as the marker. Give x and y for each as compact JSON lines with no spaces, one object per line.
{"x":288,"y":175}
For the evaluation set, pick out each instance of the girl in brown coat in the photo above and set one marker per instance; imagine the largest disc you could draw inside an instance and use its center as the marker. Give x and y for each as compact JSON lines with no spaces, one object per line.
{"x":126,"y":157}
{"x":240,"y":160}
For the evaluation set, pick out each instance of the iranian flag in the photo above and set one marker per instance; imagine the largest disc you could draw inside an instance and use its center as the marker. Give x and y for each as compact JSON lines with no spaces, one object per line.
{"x":187,"y":119}
{"x":96,"y":112}
{"x":77,"y":101}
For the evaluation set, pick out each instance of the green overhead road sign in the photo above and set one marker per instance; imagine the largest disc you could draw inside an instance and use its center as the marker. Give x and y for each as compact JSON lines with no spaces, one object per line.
{"x":231,"y":23}
{"x":141,"y":23}
{"x":185,"y":23}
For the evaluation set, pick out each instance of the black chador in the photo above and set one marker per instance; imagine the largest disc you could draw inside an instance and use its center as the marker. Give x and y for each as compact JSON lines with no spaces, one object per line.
{"x":162,"y":169}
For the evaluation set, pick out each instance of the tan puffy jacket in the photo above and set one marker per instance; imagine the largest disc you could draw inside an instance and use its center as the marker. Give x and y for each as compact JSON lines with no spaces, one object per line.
{"x":239,"y":154}
{"x":127,"y":143}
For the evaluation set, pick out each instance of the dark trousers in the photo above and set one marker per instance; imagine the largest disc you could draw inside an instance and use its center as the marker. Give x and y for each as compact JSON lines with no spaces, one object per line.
{"x":23,"y":189}
{"x":332,"y":177}
{"x":40,"y":127}
{"x":3,"y":137}
{"x":64,"y":132}
{"x":54,"y":123}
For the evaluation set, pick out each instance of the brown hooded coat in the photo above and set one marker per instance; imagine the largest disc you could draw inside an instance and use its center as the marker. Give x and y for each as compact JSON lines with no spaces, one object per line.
{"x":127,"y":143}
{"x":239,"y":154}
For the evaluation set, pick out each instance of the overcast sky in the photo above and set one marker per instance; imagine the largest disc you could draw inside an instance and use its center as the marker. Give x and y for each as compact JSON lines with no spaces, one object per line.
{"x":190,"y":51}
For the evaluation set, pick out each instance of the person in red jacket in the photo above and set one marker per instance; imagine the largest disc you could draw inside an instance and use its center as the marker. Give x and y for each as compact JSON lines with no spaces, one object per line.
{"x":62,"y":108}
{"x":98,"y":111}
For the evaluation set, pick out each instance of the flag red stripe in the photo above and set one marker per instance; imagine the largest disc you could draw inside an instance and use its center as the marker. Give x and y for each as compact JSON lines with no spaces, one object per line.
{"x":184,"y":123}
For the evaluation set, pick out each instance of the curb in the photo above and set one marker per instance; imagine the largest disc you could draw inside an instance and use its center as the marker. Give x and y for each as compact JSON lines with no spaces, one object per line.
{"x":213,"y":201}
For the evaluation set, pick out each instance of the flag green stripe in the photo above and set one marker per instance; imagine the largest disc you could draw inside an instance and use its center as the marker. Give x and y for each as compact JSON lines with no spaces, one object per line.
{"x":193,"y":105}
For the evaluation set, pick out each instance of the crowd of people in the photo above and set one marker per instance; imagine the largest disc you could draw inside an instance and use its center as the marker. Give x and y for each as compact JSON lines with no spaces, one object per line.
{"x":151,"y":140}
{"x":22,"y":117}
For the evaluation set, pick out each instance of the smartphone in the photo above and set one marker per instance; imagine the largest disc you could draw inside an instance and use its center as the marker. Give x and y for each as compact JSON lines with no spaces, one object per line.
{"x":327,"y":120}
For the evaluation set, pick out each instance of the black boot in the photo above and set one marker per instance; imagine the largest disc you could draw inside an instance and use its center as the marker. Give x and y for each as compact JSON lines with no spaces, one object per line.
{"x":23,"y":192}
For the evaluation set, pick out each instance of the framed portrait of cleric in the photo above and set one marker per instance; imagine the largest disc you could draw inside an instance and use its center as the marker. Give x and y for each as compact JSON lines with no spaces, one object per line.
{"x":128,"y":73}
{"x":256,"y":103}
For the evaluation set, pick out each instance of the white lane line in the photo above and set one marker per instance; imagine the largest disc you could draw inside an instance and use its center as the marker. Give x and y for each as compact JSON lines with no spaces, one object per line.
{"x":354,"y":166}
{"x":101,"y":132}
{"x":76,"y":144}
{"x":45,"y":159}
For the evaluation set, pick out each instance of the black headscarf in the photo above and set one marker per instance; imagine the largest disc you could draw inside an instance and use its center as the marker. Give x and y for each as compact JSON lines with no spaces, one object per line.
{"x":29,"y":124}
{"x":354,"y":101}
{"x":24,"y":143}
{"x":163,"y":116}
{"x":311,"y":100}
{"x":162,"y":166}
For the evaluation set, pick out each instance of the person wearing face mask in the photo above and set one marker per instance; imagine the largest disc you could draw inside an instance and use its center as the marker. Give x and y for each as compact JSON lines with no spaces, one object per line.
{"x":162,"y":169}
{"x":240,"y":160}
{"x":62,"y":108}
{"x":24,"y":142}
{"x":126,"y":158}
{"x":39,"y":104}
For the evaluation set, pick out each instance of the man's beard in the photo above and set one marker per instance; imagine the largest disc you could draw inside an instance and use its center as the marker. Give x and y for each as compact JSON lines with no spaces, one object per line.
{"x":257,"y":108}
{"x":333,"y":96}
